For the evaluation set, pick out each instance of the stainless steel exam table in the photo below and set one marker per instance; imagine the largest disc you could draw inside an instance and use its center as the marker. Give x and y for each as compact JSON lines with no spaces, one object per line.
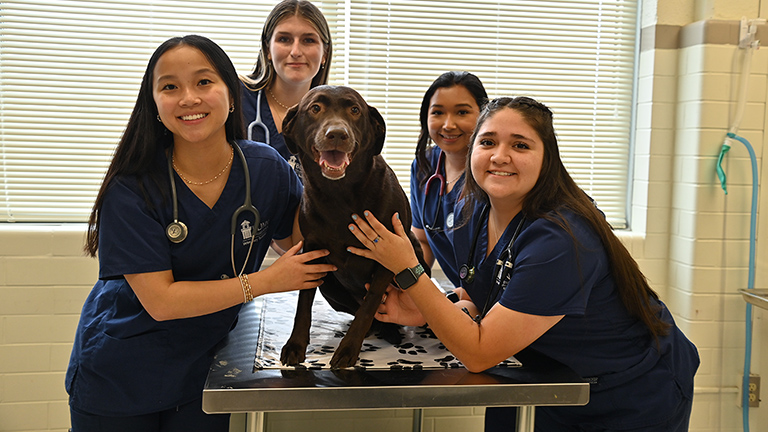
{"x":235,"y":386}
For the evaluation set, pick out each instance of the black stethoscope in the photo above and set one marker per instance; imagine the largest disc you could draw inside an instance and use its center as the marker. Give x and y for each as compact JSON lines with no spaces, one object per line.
{"x":502,"y":271}
{"x":177,"y":231}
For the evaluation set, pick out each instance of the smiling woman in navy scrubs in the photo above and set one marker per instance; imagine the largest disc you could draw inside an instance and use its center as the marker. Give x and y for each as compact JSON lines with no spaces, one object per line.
{"x":149,"y":327}
{"x":569,"y":290}
{"x":448,"y":115}
{"x":295,"y":55}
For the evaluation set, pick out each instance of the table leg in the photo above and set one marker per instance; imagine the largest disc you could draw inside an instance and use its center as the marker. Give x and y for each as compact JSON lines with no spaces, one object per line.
{"x":418,"y":413}
{"x":255,"y":422}
{"x":525,"y":417}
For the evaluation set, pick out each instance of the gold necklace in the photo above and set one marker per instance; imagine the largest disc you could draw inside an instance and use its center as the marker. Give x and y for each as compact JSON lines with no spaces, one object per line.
{"x":278,"y":102}
{"x":457,"y":177}
{"x":188,"y":181}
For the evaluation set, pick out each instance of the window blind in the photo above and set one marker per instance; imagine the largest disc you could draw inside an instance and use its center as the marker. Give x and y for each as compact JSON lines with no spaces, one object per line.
{"x":70,"y":71}
{"x":575,"y":56}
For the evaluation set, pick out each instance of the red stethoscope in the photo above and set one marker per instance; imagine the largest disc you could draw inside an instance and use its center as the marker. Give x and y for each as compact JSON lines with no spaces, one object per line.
{"x":436,"y":177}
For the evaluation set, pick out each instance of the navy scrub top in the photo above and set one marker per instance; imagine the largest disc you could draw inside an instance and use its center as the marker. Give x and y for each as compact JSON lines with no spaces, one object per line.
{"x":638,"y":385}
{"x":249,"y":103}
{"x":125,"y":363}
{"x":439,"y":240}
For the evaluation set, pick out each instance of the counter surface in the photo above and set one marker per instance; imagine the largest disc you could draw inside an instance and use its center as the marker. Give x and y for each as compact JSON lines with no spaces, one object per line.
{"x":757,"y":297}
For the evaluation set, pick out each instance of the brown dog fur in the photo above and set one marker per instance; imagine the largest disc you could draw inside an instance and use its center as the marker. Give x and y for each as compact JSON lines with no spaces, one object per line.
{"x":338,"y":137}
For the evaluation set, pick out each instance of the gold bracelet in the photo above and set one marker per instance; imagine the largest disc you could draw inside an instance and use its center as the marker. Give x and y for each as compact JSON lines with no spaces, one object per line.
{"x":246,"y":285}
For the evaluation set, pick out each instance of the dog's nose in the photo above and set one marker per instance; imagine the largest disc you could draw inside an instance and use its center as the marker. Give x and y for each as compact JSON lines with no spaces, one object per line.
{"x":337,"y":135}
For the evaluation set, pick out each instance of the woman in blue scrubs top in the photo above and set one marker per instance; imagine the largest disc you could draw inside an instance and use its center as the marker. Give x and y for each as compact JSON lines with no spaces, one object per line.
{"x":296,"y":50}
{"x":150,"y":326}
{"x":572,"y":292}
{"x":447,"y":116}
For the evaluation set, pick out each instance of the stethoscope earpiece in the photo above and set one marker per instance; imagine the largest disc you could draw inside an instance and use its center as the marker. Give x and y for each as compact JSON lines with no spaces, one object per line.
{"x":176,"y":231}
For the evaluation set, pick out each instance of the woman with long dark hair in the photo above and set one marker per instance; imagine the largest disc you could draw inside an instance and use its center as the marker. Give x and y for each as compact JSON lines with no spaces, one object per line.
{"x":176,"y":257}
{"x":551,"y":275}
{"x":447,"y":117}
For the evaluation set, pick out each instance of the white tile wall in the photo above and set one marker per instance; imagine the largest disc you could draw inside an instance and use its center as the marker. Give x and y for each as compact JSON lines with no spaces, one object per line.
{"x":44,"y":281}
{"x":709,"y":237}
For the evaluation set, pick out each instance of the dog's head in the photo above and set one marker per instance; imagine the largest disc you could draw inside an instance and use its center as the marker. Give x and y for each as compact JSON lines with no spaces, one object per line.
{"x":332,"y":126}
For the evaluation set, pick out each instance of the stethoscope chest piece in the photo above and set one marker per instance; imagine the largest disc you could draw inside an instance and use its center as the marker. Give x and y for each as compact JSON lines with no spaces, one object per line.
{"x":467,"y":273}
{"x":176,"y":231}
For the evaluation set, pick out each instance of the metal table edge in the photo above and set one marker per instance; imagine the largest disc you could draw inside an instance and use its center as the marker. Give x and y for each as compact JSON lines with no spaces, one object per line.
{"x":392,"y":397}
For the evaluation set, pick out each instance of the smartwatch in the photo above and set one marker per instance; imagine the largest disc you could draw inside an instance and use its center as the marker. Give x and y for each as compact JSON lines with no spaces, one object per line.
{"x":406,"y":278}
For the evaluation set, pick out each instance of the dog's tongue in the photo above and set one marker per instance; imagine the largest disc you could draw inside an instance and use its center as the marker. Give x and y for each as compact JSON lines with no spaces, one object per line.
{"x":333,"y":164}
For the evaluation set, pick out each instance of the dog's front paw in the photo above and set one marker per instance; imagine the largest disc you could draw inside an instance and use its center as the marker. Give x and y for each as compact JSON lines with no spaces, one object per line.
{"x":345,"y":356}
{"x":293,"y":353}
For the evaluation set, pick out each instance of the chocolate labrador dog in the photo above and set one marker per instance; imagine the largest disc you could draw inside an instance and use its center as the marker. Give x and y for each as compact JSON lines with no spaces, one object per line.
{"x":338,"y":139}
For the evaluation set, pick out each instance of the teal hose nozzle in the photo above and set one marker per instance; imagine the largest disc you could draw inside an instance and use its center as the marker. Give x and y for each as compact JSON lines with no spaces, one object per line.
{"x":723,"y":150}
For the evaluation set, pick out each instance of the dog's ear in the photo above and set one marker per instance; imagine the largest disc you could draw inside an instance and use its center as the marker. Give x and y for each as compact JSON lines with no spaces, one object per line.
{"x":288,"y":121}
{"x":379,"y":129}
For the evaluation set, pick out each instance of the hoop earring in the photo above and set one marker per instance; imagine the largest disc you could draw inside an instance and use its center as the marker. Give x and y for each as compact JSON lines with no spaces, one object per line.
{"x":158,"y":118}
{"x":232,"y":108}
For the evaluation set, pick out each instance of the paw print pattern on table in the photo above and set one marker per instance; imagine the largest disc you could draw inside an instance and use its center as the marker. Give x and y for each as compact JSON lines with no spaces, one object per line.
{"x":419,"y":349}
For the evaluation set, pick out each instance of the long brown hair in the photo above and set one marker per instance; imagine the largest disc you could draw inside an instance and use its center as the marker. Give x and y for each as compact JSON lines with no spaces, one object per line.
{"x":554,"y":193}
{"x":264,"y":71}
{"x":145,"y":137}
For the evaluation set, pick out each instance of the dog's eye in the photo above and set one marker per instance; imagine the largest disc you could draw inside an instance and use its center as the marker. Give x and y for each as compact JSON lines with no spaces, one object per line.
{"x":355,"y":110}
{"x":315,"y":108}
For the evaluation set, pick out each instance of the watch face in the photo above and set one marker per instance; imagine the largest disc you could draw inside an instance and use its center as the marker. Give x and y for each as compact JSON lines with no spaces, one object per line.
{"x":409,"y":276}
{"x":405,"y":279}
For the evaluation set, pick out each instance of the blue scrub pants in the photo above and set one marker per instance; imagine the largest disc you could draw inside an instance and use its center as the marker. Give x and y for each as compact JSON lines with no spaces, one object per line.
{"x":185,"y":418}
{"x":502,"y":419}
{"x":678,"y":423}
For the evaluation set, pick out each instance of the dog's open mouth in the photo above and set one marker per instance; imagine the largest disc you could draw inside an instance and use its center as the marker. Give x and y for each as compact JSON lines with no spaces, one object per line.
{"x":333,"y":164}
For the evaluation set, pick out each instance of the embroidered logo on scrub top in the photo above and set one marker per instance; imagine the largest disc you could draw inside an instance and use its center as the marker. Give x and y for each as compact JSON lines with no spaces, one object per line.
{"x":247,"y":230}
{"x":295,"y":164}
{"x":449,"y":220}
{"x":293,"y":161}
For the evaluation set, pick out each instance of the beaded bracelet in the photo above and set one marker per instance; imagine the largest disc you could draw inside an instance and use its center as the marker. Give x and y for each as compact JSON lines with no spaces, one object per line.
{"x":246,"y":285}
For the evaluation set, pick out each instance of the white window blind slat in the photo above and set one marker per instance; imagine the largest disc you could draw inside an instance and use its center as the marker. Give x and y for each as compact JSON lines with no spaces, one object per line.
{"x":70,"y":70}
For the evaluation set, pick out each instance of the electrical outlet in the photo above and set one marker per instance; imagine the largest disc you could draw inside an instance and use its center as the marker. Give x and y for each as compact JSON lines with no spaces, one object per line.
{"x":754,"y":391}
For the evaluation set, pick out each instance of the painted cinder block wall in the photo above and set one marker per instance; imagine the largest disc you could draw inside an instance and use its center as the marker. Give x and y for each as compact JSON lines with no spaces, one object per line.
{"x":690,"y":69}
{"x":689,"y":237}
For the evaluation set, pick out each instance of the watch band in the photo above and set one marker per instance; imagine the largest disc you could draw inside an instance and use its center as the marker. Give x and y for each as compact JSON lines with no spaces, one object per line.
{"x":408,"y":277}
